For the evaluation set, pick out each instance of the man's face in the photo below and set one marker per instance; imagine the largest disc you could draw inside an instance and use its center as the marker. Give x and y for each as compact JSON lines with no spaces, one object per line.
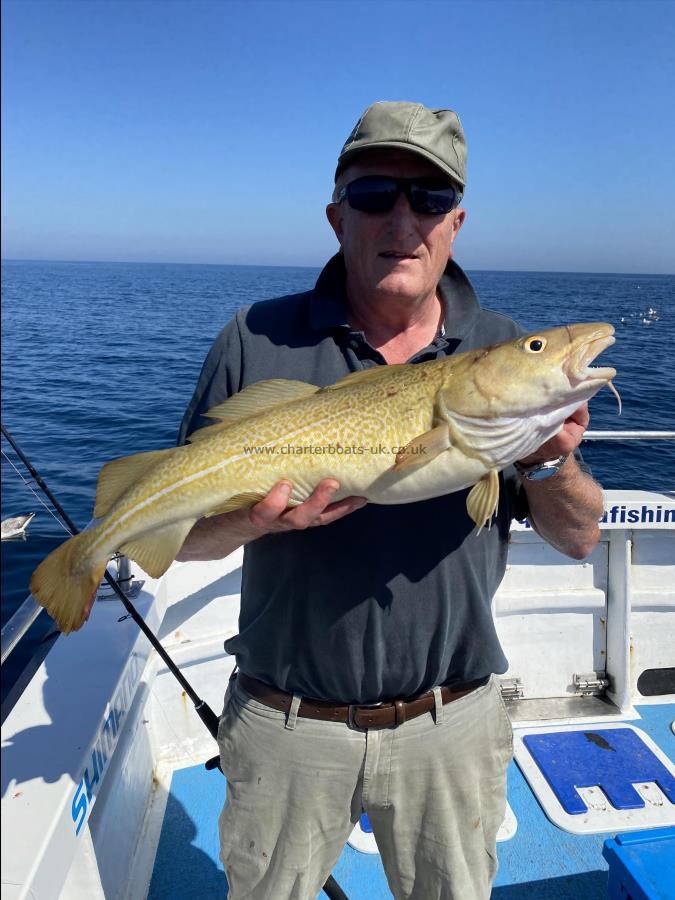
{"x":400,"y":254}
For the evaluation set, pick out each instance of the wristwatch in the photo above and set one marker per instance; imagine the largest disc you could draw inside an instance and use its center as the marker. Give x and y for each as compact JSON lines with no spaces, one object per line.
{"x":539,"y":471}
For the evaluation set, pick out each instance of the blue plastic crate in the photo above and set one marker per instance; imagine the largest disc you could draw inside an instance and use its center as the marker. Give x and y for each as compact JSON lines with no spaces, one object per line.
{"x":641,"y":865}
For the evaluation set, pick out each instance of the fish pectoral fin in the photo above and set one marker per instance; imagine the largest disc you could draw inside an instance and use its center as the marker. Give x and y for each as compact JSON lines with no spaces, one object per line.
{"x":483,"y":498}
{"x":237,"y":502}
{"x":155,"y":550}
{"x":117,"y":476}
{"x":257,"y":398}
{"x":423,"y":448}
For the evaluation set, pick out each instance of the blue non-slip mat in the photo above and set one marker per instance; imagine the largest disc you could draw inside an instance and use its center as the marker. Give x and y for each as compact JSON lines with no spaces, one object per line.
{"x":540,"y":862}
{"x":187,"y":865}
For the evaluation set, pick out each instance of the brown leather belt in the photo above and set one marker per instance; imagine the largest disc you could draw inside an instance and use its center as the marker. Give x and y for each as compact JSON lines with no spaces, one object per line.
{"x":380,"y":715}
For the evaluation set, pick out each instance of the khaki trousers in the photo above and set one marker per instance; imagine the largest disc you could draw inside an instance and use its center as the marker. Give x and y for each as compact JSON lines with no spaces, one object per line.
{"x":434,"y":789}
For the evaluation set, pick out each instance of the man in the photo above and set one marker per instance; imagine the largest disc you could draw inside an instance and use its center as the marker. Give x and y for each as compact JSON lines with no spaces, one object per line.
{"x":367,"y":651}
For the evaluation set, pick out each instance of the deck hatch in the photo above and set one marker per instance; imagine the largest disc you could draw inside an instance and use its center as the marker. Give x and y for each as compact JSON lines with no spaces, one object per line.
{"x":598,"y":777}
{"x":613,"y":759}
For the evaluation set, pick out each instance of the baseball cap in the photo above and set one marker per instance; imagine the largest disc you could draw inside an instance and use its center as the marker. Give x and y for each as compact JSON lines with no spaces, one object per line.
{"x":435,"y":134}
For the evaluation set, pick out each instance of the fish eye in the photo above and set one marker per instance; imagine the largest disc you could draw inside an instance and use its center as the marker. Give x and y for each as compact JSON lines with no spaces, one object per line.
{"x":535,"y":344}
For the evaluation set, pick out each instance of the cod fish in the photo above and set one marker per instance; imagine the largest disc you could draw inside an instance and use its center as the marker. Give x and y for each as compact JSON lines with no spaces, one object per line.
{"x":391,"y":434}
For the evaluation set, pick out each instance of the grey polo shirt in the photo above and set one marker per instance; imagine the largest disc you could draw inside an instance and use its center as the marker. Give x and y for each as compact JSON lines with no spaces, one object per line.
{"x":391,"y":600}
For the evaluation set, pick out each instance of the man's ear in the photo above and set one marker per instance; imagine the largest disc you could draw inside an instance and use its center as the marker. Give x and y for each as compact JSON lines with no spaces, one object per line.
{"x":334,"y":216}
{"x":460,"y":215}
{"x":457,"y":222}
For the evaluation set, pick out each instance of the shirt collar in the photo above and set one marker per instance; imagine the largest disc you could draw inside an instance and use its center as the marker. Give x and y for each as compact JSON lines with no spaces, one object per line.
{"x":328,"y":305}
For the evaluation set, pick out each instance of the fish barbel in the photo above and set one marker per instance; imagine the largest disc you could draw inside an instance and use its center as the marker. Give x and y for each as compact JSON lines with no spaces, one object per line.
{"x":391,"y":434}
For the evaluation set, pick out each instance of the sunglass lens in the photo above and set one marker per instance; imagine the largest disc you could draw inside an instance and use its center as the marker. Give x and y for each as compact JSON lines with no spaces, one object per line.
{"x":432,"y":201}
{"x":372,"y":195}
{"x":378,"y":194}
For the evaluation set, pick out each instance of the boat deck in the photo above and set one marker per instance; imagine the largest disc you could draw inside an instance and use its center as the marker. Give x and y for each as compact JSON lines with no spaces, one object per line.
{"x":105,"y":794}
{"x":565,"y":866}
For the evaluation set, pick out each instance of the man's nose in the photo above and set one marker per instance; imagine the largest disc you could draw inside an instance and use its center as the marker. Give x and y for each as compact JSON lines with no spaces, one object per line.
{"x":402,"y":218}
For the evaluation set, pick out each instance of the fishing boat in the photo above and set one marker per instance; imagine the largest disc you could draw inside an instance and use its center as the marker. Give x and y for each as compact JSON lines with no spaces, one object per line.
{"x":106,"y":794}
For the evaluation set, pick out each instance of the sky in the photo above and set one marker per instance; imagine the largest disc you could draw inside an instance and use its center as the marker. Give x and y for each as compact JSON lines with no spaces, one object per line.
{"x":207,"y":132}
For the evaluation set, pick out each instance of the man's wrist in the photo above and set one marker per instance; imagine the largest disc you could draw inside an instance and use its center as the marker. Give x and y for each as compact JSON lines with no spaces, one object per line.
{"x":239,"y":525}
{"x":540,"y":470}
{"x":217,"y":536}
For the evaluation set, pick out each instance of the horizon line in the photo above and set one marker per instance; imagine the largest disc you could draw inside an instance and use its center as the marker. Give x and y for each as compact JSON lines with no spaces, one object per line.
{"x":132,"y":262}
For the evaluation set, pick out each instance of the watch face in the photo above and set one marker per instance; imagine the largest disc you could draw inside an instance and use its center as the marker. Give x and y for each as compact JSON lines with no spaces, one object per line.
{"x":540,"y":474}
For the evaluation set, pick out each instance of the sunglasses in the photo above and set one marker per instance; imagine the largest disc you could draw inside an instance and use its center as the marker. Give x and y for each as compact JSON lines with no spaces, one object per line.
{"x":379,"y":193}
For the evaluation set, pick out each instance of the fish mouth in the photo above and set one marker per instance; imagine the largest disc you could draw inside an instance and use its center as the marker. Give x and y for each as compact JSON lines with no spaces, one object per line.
{"x":578,"y":367}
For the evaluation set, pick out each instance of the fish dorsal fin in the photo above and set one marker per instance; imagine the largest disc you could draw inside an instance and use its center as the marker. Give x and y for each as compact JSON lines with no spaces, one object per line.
{"x":257,"y":398}
{"x":364,"y":376}
{"x":156,"y":550}
{"x":117,"y":476}
{"x":208,"y":431}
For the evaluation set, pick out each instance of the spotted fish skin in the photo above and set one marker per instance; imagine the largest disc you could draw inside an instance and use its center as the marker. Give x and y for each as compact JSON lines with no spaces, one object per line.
{"x":392,"y":434}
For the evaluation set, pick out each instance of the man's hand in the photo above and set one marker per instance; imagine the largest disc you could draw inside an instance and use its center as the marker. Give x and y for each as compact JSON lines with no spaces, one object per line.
{"x":216,"y":537}
{"x":272,"y":514}
{"x":565,"y":508}
{"x":566,"y":441}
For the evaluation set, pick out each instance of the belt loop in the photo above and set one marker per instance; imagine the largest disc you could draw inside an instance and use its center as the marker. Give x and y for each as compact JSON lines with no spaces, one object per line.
{"x":292,"y":717}
{"x":438,"y":706}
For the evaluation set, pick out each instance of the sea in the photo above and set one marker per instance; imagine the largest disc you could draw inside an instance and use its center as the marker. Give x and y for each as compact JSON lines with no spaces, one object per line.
{"x":99,"y":360}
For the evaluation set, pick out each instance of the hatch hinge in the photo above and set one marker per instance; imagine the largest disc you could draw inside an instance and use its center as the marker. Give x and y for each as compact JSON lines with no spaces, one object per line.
{"x":590,"y":684}
{"x":511,"y":688}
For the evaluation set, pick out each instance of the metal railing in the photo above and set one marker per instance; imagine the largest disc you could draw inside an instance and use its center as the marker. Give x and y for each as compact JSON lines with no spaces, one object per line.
{"x":18,"y":625}
{"x":30,"y":609}
{"x":629,"y":436}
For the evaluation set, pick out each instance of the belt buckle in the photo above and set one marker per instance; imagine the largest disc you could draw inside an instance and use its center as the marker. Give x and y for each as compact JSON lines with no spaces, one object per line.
{"x":354,"y":706}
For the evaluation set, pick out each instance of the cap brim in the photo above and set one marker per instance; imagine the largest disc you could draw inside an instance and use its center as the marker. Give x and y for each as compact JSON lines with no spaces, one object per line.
{"x":348,"y":157}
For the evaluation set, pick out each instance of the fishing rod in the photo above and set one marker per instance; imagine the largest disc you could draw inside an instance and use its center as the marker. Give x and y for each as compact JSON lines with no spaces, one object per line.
{"x":204,"y":711}
{"x":331,"y":888}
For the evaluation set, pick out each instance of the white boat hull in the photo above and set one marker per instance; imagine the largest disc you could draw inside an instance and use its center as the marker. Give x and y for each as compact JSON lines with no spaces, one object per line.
{"x":89,"y":750}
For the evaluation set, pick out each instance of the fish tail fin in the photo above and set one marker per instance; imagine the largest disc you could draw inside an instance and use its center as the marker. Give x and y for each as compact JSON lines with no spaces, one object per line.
{"x":65,"y":583}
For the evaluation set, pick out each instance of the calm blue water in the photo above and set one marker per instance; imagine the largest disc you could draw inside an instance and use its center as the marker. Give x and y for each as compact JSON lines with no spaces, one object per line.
{"x":99,"y":360}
